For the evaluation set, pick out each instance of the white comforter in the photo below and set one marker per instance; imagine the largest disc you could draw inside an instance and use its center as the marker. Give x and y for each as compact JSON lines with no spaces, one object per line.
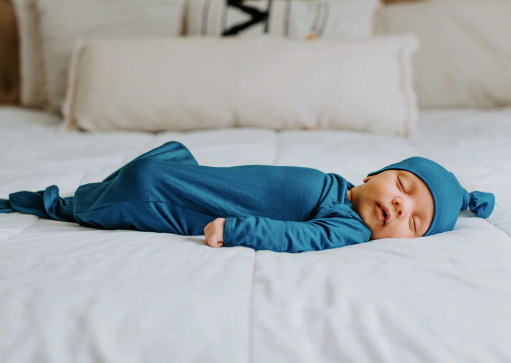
{"x":75,"y":294}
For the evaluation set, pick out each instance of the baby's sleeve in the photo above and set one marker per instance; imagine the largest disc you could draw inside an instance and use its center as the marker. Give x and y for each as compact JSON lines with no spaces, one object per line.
{"x":332,"y":228}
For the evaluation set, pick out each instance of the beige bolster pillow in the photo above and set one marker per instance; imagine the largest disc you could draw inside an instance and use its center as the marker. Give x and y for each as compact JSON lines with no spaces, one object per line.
{"x":179,"y":84}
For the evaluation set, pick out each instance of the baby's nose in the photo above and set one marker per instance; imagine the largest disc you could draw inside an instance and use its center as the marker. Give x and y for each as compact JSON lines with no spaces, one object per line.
{"x":399,"y":208}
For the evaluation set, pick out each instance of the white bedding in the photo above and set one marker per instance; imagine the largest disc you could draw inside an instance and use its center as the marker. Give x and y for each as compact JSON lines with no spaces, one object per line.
{"x":75,"y":294}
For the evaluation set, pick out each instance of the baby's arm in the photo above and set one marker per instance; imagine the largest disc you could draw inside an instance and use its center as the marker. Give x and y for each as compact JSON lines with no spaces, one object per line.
{"x":331,"y":228}
{"x":261,"y":233}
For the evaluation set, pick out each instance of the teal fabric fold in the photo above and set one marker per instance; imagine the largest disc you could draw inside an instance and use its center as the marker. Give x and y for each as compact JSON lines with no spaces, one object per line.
{"x":267,"y":207}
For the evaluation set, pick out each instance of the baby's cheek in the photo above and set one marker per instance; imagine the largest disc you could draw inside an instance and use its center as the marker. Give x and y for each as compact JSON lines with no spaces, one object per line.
{"x":386,"y":231}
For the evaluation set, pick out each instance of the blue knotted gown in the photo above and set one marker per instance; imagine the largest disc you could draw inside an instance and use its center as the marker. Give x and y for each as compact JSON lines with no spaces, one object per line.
{"x":267,"y":207}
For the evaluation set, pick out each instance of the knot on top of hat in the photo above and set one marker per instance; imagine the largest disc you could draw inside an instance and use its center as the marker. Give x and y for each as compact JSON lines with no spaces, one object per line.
{"x":481,"y":203}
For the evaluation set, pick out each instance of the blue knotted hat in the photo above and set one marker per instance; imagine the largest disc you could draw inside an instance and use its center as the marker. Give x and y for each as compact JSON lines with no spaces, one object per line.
{"x":448,"y":195}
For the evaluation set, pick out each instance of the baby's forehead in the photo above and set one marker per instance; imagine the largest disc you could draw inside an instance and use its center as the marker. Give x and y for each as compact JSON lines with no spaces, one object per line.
{"x":406,"y":172}
{"x":409,"y":174}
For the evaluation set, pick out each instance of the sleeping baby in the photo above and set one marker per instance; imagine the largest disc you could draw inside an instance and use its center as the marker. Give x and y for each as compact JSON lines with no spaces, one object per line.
{"x":264,"y":207}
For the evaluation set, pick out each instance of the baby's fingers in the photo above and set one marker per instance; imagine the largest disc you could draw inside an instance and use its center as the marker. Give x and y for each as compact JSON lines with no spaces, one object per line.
{"x":216,"y":243}
{"x":213,"y":242}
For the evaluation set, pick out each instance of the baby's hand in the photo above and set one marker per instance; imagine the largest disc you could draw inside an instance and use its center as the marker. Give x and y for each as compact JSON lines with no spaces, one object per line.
{"x":214,"y":233}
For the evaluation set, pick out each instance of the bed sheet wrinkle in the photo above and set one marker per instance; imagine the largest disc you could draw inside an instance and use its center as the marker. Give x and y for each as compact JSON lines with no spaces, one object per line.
{"x":12,"y":225}
{"x":143,"y":290}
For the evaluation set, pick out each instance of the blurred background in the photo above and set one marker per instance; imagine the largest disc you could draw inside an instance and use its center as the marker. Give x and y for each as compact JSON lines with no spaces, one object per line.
{"x":464,"y":59}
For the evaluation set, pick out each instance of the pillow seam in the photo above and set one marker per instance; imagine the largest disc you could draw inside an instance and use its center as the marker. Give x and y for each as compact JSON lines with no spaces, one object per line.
{"x":405,"y":90}
{"x":70,"y":120}
{"x":37,"y":47}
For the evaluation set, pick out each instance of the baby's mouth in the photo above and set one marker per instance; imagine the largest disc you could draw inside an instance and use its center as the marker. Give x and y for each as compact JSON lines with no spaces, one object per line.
{"x":384,"y":213}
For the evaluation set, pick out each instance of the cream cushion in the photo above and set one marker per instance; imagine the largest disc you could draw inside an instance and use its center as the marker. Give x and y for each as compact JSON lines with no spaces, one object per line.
{"x":49,"y":29}
{"x":203,"y":83}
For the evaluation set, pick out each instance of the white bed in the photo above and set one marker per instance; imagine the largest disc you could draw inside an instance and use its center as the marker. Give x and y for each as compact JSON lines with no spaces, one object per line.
{"x":75,"y":294}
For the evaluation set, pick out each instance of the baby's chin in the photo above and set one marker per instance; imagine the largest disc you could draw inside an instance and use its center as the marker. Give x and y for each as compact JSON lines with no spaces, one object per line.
{"x":376,"y":231}
{"x":375,"y":235}
{"x":379,"y":235}
{"x":382,"y":233}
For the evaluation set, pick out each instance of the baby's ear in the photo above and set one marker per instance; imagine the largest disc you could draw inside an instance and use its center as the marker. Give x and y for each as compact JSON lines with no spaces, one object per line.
{"x":368,"y":178}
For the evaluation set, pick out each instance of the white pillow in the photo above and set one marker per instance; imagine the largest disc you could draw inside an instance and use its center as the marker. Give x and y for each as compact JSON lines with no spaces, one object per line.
{"x":49,"y":28}
{"x":202,"y":83}
{"x":293,"y":19}
{"x":465,"y":54}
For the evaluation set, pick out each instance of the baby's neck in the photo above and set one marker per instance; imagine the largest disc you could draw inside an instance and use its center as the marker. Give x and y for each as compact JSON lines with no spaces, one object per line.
{"x":352,"y":196}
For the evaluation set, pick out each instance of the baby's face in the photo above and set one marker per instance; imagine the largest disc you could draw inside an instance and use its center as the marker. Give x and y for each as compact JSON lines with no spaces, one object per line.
{"x":395,"y":204}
